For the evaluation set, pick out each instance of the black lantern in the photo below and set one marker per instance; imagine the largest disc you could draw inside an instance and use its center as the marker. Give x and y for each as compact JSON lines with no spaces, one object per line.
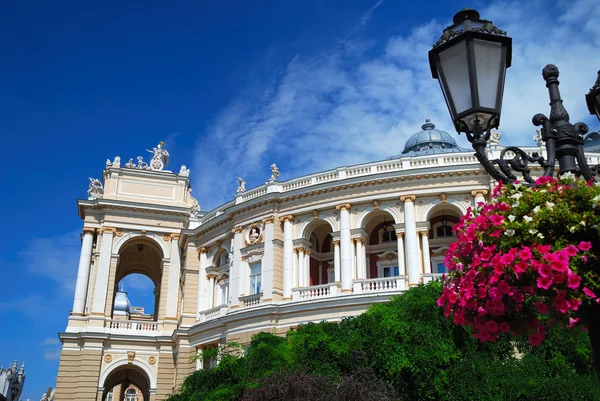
{"x":470,"y":62}
{"x":593,"y":98}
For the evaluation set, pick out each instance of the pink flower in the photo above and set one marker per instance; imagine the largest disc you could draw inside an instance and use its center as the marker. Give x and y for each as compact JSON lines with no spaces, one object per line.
{"x":585,"y":245}
{"x":571,"y":250}
{"x":536,"y":339}
{"x":573,"y":322}
{"x":491,"y":326}
{"x":504,"y":287}
{"x":504,"y":327}
{"x":545,"y":180}
{"x":496,"y":220}
{"x":573,"y":281}
{"x":545,"y":270}
{"x":589,"y":292}
{"x":525,"y":253}
{"x":518,"y":297}
{"x":541,"y":307}
{"x":544,"y":282}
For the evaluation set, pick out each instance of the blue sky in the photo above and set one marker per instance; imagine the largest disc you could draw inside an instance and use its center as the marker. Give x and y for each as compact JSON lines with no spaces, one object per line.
{"x":231,"y":86}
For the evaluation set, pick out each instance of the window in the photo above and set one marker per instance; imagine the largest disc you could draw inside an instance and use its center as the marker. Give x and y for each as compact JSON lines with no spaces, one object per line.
{"x":224,"y":292}
{"x":255,"y":279}
{"x":109,"y":396}
{"x":389,"y":236}
{"x":223,"y":258}
{"x":390,"y":271}
{"x":131,"y":394}
{"x":330,"y":275}
{"x":440,"y":267}
{"x":442,"y":231}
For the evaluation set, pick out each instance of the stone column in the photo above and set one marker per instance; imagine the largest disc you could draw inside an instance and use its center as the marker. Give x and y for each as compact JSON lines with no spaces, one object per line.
{"x":479,"y":195}
{"x":267,"y":260}
{"x":301,"y":267}
{"x":202,"y":304}
{"x":336,"y":261}
{"x":426,"y":256}
{"x":174,"y":278}
{"x":288,"y":256}
{"x":360,"y":259}
{"x":354,"y":258}
{"x":365,"y":262}
{"x":307,"y":267}
{"x":412,"y":241}
{"x":401,"y":262}
{"x":236,"y":273}
{"x":100,"y":292}
{"x":83,"y":272}
{"x":345,"y":247}
{"x":212,"y":303}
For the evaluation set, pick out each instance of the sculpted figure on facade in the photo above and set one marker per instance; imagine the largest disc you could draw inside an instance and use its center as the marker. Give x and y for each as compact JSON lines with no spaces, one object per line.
{"x":254,"y":235}
{"x":141,"y":164}
{"x":241,"y":186}
{"x":195,"y":209}
{"x":130,"y":163}
{"x":538,"y":138}
{"x":95,"y":189}
{"x":184,"y":170}
{"x":160,"y":157}
{"x":495,"y":138}
{"x":274,"y":173}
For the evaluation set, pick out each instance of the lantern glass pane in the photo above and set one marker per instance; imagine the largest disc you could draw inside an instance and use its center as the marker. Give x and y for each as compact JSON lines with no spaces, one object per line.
{"x":490,"y":71}
{"x":455,"y":69}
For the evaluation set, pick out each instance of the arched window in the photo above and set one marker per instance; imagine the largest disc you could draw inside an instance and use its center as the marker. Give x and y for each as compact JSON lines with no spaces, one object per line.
{"x":223,"y":258}
{"x":131,"y":394}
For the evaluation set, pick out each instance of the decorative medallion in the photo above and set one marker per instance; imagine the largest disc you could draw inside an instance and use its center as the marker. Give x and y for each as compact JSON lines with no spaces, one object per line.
{"x":151,"y":360}
{"x":108,"y":358}
{"x":315,"y":214}
{"x":443,"y":197}
{"x":130,"y":356}
{"x":254,"y":234}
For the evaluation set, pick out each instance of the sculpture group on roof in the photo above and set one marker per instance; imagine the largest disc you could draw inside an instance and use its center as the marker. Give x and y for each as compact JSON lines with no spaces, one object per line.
{"x":160,"y":160}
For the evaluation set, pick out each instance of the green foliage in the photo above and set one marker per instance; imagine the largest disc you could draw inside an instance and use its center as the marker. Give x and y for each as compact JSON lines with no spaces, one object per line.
{"x":404,"y":349}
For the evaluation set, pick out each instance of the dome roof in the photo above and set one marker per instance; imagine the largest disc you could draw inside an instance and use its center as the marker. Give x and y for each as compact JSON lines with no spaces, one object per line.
{"x":430,"y":141}
{"x":122,"y":303}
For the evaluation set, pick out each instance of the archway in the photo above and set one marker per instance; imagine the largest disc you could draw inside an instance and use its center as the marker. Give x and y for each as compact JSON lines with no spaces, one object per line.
{"x":126,"y":383}
{"x":321,"y":261}
{"x":140,"y":270}
{"x":442,"y":219}
{"x":382,"y":244}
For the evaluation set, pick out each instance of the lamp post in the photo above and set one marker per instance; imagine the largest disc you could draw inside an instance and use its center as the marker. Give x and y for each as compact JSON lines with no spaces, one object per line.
{"x":470,"y":61}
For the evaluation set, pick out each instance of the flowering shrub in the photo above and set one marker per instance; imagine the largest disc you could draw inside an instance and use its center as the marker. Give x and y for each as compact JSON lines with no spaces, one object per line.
{"x":526,"y":260}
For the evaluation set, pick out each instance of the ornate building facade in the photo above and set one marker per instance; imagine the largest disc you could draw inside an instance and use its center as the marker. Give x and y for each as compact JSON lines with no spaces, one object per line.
{"x":12,"y":380}
{"x":319,"y":247}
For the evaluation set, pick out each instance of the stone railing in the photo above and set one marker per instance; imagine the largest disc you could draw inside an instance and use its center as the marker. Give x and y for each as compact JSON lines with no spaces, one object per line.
{"x":132,"y":327}
{"x":213,"y":313}
{"x":251,"y":300}
{"x":427,"y":277}
{"x":385,"y":284}
{"x":315,"y":292}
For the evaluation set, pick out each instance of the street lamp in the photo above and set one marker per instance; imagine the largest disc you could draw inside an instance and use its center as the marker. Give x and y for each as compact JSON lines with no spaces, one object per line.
{"x":470,"y":61}
{"x":593,"y":98}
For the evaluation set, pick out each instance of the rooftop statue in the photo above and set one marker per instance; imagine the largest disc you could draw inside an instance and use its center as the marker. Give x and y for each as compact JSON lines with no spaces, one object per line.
{"x":160,"y":158}
{"x":241,"y":186}
{"x":95,"y":190}
{"x":274,"y":173}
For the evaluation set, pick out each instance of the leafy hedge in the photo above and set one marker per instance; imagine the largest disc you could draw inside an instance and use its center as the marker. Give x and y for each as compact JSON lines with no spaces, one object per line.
{"x":401,"y":350}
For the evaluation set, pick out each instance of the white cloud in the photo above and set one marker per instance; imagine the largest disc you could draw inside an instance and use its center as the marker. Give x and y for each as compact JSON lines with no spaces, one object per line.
{"x":343,"y":107}
{"x":52,"y":354}
{"x":51,"y":341}
{"x":55,"y":258}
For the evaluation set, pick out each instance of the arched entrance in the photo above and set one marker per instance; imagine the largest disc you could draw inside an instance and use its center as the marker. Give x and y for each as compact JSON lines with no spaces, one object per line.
{"x":138,"y":257}
{"x":441,"y":220}
{"x":321,"y":258}
{"x":126,"y":383}
{"x":382,"y":245}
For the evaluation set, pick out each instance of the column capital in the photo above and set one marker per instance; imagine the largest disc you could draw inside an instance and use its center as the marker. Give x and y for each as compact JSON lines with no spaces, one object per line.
{"x":424,"y":233}
{"x":107,"y":229}
{"x":268,"y":220}
{"x":202,"y":250}
{"x":211,"y":276}
{"x":408,"y":198}
{"x":343,"y":206}
{"x":174,"y":236}
{"x":237,"y":230}
{"x":400,"y":234}
{"x":336,"y":242}
{"x":479,"y":192}
{"x":89,"y":230}
{"x":289,"y":218}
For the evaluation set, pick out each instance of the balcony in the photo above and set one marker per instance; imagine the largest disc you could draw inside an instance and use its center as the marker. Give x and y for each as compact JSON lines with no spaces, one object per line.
{"x":431,"y":276}
{"x":315,"y":292}
{"x":250,"y":300}
{"x":132,"y":327}
{"x":384,"y":284}
{"x":213,"y":313}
